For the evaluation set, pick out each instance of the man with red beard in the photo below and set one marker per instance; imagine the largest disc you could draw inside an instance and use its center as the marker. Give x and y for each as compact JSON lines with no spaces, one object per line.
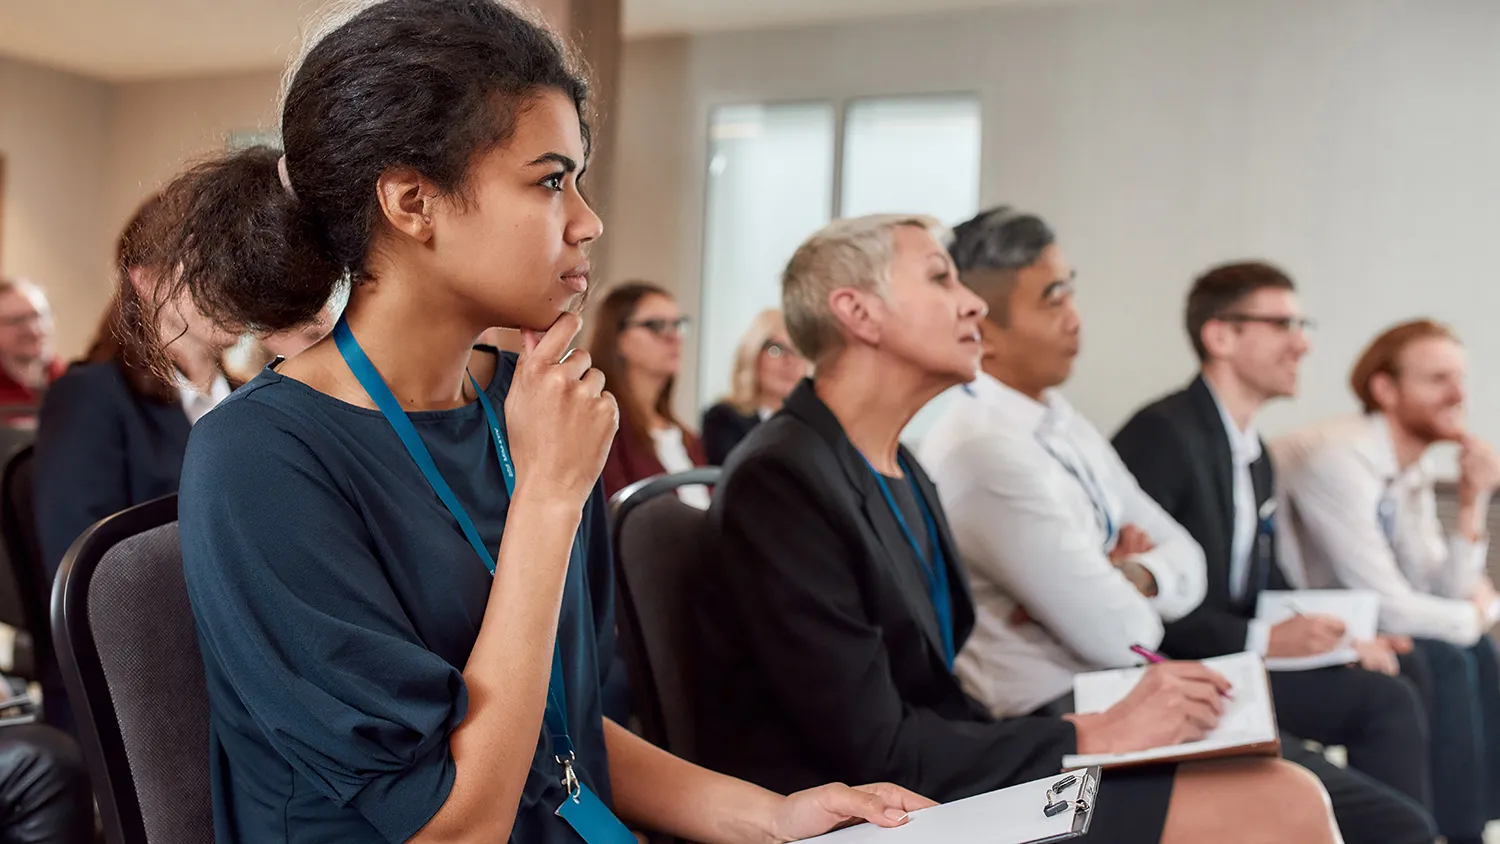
{"x":1360,"y":506}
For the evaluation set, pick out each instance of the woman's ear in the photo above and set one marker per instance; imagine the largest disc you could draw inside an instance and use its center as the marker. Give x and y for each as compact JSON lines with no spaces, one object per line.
{"x":407,"y":201}
{"x":851,"y":308}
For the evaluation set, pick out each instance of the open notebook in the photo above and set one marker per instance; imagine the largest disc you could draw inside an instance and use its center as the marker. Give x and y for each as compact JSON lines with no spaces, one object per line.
{"x":1015,"y":815}
{"x":1247,"y":728}
{"x":1359,"y":609}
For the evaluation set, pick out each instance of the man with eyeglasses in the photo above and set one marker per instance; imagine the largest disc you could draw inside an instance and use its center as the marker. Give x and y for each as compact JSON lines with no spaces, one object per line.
{"x":1196,"y":452}
{"x":1070,"y":561}
{"x":27,"y":363}
{"x":1361,"y":504}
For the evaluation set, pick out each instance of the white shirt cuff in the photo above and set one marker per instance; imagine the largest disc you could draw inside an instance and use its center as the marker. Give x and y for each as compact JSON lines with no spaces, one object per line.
{"x":1258,"y":636}
{"x":1467,"y":562}
{"x":1169,"y":599}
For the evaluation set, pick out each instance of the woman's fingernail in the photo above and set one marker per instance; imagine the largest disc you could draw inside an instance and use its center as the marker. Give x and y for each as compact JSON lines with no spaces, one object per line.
{"x":895,"y":815}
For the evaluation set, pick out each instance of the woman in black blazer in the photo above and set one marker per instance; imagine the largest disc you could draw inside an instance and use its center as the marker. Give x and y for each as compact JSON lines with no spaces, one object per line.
{"x":113,"y":429}
{"x":832,"y":616}
{"x":766,"y":369}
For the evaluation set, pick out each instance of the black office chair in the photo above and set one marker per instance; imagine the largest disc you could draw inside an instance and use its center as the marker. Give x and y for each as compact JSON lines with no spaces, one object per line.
{"x":24,"y":585}
{"x":130,"y":659}
{"x":659,"y":541}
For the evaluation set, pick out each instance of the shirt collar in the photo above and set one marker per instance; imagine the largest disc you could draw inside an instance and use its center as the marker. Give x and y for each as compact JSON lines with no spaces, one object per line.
{"x":1051,"y":413}
{"x":1382,"y":456}
{"x":1244,"y":445}
{"x":192,"y":400}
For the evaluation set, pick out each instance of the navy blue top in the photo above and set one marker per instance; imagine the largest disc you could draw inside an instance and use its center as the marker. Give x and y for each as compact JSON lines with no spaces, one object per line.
{"x":100,"y":447}
{"x":337,"y":602}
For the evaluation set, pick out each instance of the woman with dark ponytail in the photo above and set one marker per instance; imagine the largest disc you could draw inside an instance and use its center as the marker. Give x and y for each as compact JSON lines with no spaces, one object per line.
{"x":395,"y":543}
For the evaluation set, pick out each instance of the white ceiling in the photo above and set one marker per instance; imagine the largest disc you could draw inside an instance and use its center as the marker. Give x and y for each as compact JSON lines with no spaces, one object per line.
{"x":140,"y":39}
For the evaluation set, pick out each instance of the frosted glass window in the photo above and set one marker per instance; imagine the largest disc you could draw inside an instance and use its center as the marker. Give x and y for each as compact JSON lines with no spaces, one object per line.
{"x":770,"y":185}
{"x":912,"y":155}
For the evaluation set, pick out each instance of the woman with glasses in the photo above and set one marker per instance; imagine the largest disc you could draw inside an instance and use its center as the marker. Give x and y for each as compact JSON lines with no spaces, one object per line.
{"x":637,"y":344}
{"x":767,"y":368}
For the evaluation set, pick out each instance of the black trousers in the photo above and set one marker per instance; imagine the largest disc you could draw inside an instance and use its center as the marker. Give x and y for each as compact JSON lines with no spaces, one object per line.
{"x":44,"y":788}
{"x":1462,"y":693}
{"x":1385,"y":795}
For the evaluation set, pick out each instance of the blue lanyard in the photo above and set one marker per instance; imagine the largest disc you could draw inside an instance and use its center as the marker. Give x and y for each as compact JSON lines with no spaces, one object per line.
{"x":380,"y":393}
{"x":1385,"y":514}
{"x":935,"y":569}
{"x":1091,"y":488}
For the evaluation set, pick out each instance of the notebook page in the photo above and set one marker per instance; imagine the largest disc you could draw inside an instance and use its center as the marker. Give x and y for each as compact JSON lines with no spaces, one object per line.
{"x":1247,"y":720}
{"x":1359,"y":609}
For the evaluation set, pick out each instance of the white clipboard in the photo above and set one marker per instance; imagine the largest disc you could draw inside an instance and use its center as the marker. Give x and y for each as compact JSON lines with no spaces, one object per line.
{"x":1053,"y":809}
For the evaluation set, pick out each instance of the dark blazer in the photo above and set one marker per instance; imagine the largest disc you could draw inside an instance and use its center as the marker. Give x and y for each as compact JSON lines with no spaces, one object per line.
{"x":820,"y":657}
{"x":1179,"y":452}
{"x":723,"y":428}
{"x":629,"y":462}
{"x":101,"y":447}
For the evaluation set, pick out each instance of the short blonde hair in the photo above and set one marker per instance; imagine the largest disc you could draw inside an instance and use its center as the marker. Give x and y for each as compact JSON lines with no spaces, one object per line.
{"x":744,"y":386}
{"x":851,"y":253}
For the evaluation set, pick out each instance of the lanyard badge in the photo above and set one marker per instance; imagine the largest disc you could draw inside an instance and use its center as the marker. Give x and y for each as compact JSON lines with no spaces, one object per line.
{"x":581,"y":808}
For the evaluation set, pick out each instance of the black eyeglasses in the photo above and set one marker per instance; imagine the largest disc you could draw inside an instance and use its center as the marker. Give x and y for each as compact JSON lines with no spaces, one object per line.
{"x":1301,"y":325}
{"x":663,"y":327}
{"x":778,"y":351}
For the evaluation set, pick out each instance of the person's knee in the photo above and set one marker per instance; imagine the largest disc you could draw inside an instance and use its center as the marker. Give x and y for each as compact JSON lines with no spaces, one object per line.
{"x":1304,"y":810}
{"x":41,"y":757}
{"x":1224,"y":801}
{"x":1392,"y":698}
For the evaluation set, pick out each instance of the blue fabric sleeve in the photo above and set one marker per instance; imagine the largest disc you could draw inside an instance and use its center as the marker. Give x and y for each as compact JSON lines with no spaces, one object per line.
{"x":295,"y":610}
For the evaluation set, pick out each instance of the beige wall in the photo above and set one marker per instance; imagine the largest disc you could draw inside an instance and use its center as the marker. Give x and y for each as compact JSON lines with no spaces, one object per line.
{"x":80,"y":155}
{"x":1351,"y":140}
{"x":155,"y":127}
{"x":52,"y":133}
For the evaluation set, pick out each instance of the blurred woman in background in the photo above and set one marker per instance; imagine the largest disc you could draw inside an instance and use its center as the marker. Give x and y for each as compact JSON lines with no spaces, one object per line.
{"x":767,"y":367}
{"x":112,"y":430}
{"x":637,"y":344}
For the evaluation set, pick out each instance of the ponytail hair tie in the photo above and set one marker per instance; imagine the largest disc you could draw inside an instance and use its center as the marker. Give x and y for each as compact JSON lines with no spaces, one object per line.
{"x":286,"y":180}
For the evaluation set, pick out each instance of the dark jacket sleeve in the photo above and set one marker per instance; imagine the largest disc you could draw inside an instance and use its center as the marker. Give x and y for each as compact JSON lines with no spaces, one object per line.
{"x":81,"y":467}
{"x":722,"y":431}
{"x":823,"y":659}
{"x":1153,"y":451}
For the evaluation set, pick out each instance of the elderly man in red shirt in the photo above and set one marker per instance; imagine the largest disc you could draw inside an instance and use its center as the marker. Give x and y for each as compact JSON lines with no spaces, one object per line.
{"x":27,"y":362}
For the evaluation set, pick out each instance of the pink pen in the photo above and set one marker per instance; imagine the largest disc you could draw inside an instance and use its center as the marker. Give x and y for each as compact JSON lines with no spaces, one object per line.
{"x":1147,"y":654}
{"x":1153,"y":657}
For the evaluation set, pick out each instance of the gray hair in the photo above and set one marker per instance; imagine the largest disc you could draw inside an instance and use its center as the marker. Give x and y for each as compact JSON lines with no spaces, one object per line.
{"x":851,"y":253}
{"x":992,"y":247}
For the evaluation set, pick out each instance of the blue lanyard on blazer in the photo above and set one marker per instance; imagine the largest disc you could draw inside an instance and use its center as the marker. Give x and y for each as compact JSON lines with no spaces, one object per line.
{"x":936,"y":569}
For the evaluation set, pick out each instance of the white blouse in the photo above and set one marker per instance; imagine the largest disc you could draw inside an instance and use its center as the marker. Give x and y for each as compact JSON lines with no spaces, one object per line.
{"x":672,"y":453}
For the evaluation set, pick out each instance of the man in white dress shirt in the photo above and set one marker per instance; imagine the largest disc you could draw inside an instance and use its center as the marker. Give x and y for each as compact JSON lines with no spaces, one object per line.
{"x":1361,"y":510}
{"x":1070,"y":562}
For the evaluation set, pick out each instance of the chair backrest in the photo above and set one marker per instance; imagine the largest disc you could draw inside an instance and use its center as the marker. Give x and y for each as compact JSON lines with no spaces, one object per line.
{"x":134,"y":673}
{"x":24,"y":582}
{"x":659,"y":543}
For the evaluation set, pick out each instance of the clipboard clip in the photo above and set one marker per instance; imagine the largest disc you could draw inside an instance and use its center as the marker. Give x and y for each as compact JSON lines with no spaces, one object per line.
{"x":1056,"y":806}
